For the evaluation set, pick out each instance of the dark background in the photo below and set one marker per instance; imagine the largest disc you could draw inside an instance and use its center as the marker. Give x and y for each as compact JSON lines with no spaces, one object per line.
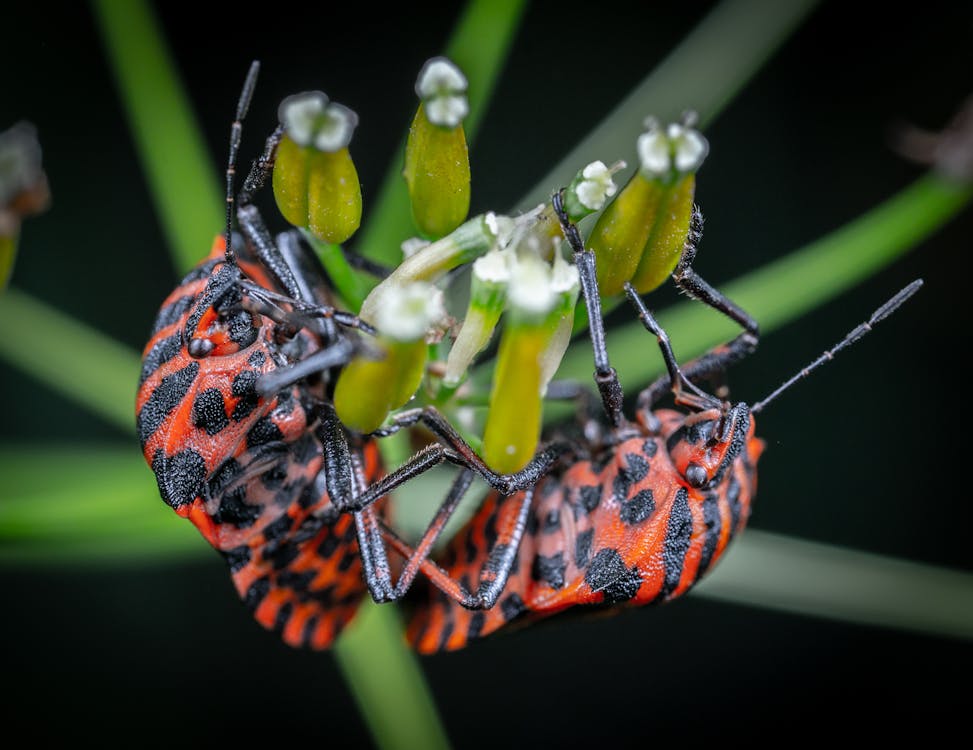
{"x":870,"y":453}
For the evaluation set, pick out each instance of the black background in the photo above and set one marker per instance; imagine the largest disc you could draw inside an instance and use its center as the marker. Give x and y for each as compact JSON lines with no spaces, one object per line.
{"x":870,"y":453}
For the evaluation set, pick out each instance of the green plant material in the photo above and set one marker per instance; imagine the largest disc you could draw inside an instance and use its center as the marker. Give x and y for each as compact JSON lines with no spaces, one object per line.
{"x":429,"y":264}
{"x":478,"y":45}
{"x":711,"y":64}
{"x":437,"y":174}
{"x":368,"y":389}
{"x":514,"y":421}
{"x":74,"y":515}
{"x":101,"y":371}
{"x":318,"y":190}
{"x":821,"y":580}
{"x":169,"y":142}
{"x":790,"y":286}
{"x":8,"y":252}
{"x":351,"y":287}
{"x":668,"y":238}
{"x":387,"y":682}
{"x":488,"y":295}
{"x":622,"y":232}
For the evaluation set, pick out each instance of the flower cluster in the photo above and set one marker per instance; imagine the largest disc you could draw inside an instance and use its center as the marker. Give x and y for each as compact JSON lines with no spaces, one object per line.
{"x":520,"y":280}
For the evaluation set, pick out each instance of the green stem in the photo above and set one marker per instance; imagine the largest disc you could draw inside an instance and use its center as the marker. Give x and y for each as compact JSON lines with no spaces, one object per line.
{"x":384,"y":675}
{"x":351,"y":287}
{"x":809,"y":578}
{"x":168,"y":139}
{"x":704,"y":73}
{"x":478,"y":45}
{"x":102,"y":371}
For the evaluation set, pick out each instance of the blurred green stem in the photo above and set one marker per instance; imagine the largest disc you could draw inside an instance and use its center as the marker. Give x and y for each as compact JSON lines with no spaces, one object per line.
{"x":704,"y":72}
{"x":169,"y":140}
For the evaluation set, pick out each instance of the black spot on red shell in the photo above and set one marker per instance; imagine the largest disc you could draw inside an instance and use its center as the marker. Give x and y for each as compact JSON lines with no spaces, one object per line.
{"x":170,"y":392}
{"x":582,"y":547}
{"x":679,"y":530}
{"x":237,"y":557}
{"x":161,"y":352}
{"x":263,"y":431}
{"x":244,"y":388}
{"x":589,"y":497}
{"x":714,"y":526}
{"x":256,"y":593}
{"x":476,"y":625}
{"x":180,"y":477}
{"x":209,"y":411}
{"x":172,"y":313}
{"x":511,"y":606}
{"x":235,"y":510}
{"x":638,"y":508}
{"x":637,"y":466}
{"x":549,"y":569}
{"x":607,"y":573}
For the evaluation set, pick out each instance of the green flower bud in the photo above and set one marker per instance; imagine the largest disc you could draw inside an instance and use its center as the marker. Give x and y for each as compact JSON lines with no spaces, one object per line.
{"x":488,"y":293}
{"x":315,"y":182}
{"x":665,"y":244}
{"x":622,"y":231}
{"x":541,"y":310}
{"x":590,"y":189}
{"x":640,"y":236}
{"x":687,"y":150}
{"x":437,"y":164}
{"x":368,"y":388}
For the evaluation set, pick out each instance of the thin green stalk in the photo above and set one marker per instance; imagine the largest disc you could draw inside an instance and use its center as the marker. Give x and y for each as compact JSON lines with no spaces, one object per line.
{"x":383,"y":676}
{"x":478,"y":45}
{"x":350,"y":286}
{"x":821,"y":580}
{"x":168,"y":138}
{"x":703,"y":73}
{"x":102,"y":374}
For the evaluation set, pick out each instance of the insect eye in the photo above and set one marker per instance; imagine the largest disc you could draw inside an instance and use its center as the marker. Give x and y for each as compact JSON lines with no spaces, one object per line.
{"x":696,"y":475}
{"x":199,"y":348}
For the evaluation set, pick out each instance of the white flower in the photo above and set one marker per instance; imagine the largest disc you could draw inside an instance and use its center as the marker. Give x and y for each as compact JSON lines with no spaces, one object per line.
{"x":311,"y":119}
{"x":408,"y":310}
{"x":596,"y":187}
{"x":442,"y":88}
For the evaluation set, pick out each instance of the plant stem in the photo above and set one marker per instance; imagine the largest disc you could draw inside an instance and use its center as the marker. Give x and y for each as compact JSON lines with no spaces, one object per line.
{"x":168,"y":138}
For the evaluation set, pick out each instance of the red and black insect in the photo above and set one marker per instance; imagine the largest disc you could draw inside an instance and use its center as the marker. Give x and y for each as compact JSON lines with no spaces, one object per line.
{"x":234,"y":418}
{"x":636,"y":519}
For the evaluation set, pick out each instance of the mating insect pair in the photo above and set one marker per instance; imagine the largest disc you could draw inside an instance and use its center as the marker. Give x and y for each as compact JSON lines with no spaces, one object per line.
{"x":235,"y":418}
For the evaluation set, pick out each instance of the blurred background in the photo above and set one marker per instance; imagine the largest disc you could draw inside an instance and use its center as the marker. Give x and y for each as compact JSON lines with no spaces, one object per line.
{"x":868,"y":454}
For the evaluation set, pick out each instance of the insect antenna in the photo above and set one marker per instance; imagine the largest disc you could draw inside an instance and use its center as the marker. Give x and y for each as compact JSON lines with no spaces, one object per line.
{"x":236,"y":133}
{"x":854,"y":335}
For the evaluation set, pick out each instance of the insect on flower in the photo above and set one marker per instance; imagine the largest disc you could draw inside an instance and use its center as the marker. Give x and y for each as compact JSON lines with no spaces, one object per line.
{"x":234,"y":419}
{"x":635,"y":518}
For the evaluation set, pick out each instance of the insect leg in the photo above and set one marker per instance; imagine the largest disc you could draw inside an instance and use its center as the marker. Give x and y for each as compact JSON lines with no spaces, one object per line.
{"x":606,"y":378}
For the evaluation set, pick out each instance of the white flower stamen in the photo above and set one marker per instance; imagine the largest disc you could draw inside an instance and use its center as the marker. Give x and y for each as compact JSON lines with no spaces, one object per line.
{"x":442,"y":88}
{"x":653,"y":151}
{"x":311,"y":119}
{"x":530,"y":288}
{"x":596,"y":187}
{"x":408,"y":311}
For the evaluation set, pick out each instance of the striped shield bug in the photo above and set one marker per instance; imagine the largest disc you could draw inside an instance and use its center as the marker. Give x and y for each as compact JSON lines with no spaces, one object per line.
{"x":636,"y":518}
